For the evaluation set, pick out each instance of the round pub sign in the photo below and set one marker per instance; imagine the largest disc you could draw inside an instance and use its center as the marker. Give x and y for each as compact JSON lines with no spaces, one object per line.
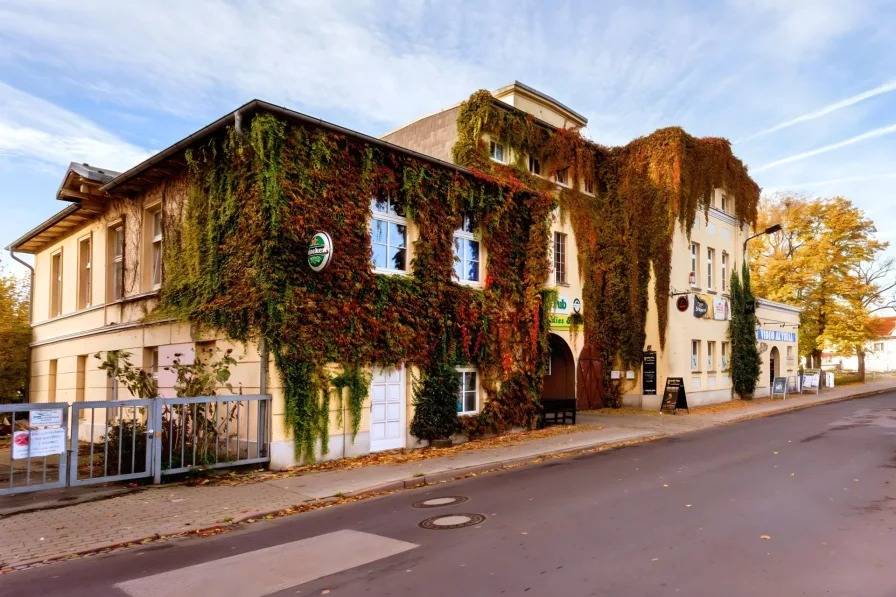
{"x":320,"y":251}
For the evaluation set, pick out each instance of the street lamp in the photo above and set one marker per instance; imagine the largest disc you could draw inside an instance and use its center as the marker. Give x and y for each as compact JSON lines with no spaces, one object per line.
{"x":770,"y":230}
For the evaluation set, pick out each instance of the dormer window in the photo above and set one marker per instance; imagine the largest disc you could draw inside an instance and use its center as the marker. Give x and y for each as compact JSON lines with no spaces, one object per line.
{"x":496,"y":151}
{"x":726,"y":203}
{"x":534,"y":166}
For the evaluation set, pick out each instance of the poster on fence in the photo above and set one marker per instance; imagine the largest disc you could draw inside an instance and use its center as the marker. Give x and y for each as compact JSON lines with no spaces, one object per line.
{"x":46,"y":442}
{"x":45,"y":418}
{"x":20,"y":444}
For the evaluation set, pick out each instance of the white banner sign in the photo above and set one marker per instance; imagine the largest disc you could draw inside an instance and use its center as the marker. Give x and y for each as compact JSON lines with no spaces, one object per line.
{"x":46,"y":442}
{"x":45,"y":418}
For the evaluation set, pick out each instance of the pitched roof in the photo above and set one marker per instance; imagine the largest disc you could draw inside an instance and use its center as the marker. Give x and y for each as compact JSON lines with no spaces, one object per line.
{"x":885,"y":326}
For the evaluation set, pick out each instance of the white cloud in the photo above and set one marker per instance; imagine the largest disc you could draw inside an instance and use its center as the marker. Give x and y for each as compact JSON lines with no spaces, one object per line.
{"x":40,"y":132}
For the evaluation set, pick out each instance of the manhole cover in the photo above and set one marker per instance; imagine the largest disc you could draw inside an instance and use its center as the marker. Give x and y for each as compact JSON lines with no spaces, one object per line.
{"x":440,"y":501}
{"x":452,"y":521}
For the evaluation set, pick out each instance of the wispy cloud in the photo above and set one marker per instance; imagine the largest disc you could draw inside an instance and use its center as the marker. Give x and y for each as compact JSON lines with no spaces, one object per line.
{"x":46,"y":135}
{"x":878,"y":132}
{"x":850,"y":101}
{"x":830,"y":181}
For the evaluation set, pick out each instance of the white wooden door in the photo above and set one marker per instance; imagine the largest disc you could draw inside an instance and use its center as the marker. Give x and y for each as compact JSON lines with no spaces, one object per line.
{"x":387,"y":409}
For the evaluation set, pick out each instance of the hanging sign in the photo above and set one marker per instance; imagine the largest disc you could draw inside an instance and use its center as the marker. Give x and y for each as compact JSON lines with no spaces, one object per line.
{"x":576,"y":306}
{"x":750,"y":307}
{"x":648,"y":378}
{"x":701,"y":307}
{"x":674,"y":396}
{"x":720,"y":308}
{"x":320,"y":251}
{"x":682,"y":303}
{"x":561,"y":305}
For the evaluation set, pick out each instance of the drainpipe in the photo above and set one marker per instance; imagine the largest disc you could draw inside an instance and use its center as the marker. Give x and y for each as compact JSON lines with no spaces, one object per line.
{"x":30,"y":321}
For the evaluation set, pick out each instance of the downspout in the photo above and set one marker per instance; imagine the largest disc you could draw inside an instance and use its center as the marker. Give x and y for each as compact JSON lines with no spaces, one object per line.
{"x":30,"y":321}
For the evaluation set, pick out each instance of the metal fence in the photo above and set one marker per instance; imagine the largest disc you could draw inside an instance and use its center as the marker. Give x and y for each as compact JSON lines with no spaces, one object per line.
{"x":121,"y":440}
{"x":32,"y":447}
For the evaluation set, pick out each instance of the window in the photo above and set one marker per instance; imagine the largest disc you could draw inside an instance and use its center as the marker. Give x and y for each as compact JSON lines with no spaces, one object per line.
{"x":724,"y":356}
{"x":695,"y":355}
{"x":81,"y":382}
{"x":534,"y":166}
{"x":588,"y":186}
{"x":695,"y":251}
{"x":156,"y":249}
{"x":724,"y":271}
{"x":878,"y":347}
{"x":710,"y":254}
{"x":84,"y":282}
{"x":496,"y":151}
{"x":116,"y":256}
{"x":466,"y":253}
{"x":559,"y":258}
{"x":561,"y":177}
{"x":56,"y":284}
{"x":710,"y":356}
{"x":725,"y":202}
{"x":388,"y":236}
{"x":467,"y":392}
{"x":151,"y":362}
{"x":51,"y":381}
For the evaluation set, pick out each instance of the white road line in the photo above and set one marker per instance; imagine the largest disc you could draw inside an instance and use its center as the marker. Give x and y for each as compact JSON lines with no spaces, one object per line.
{"x":272,"y":569}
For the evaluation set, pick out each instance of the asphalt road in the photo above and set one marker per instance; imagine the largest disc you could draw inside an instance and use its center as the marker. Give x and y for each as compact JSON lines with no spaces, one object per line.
{"x":680,"y":516}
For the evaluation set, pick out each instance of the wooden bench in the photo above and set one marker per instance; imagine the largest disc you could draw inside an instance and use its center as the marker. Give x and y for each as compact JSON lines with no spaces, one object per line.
{"x":560,"y":408}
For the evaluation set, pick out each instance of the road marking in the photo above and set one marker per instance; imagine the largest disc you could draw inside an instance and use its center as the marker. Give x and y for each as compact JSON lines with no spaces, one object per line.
{"x":272,"y":569}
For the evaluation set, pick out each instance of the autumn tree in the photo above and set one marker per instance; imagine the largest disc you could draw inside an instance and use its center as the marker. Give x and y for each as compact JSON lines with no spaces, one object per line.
{"x":15,"y":335}
{"x":815,"y":262}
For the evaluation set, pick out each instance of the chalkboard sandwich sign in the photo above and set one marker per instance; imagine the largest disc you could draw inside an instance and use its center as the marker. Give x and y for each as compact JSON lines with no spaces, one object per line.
{"x":674,"y":396}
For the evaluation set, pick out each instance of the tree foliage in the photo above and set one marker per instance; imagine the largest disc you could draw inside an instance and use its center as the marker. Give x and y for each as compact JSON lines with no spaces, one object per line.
{"x":15,"y":335}
{"x":746,"y":364}
{"x":822,"y":260}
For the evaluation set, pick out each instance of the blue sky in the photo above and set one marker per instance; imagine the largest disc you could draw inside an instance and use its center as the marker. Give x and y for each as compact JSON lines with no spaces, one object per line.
{"x":805,"y":88}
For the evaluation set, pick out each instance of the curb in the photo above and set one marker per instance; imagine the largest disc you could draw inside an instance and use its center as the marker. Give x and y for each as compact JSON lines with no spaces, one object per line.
{"x":442,"y":477}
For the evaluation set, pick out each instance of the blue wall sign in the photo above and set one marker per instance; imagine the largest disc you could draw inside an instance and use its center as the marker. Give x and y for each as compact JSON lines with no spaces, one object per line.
{"x":776,"y":336}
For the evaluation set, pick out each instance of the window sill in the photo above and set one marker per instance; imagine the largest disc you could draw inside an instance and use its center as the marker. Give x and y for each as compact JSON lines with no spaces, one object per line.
{"x":497,"y":161}
{"x":712,"y":292}
{"x":468,"y":413}
{"x":562,"y":284}
{"x":697,"y":288}
{"x":696,"y":371}
{"x":390,"y":272}
{"x":468,"y":284}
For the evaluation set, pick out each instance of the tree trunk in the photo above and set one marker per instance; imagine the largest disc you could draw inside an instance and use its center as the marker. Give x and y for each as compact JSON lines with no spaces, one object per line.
{"x":815,"y":359}
{"x":860,"y":353}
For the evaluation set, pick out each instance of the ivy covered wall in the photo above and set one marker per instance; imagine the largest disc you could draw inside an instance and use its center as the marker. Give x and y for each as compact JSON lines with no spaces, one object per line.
{"x":624,"y":229}
{"x":236,"y":261}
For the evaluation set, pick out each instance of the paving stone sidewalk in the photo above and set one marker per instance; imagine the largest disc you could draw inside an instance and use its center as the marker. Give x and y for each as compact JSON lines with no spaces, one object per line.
{"x":53,"y":533}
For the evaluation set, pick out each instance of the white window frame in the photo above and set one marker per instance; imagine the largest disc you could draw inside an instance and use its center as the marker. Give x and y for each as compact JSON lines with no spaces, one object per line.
{"x":724,"y":203}
{"x":116,"y":258}
{"x":156,"y":249}
{"x":85,"y":273}
{"x":695,"y":355}
{"x":588,"y":186}
{"x":495,"y":148}
{"x":390,"y":218}
{"x":724,"y":356}
{"x":561,"y":177}
{"x":534,"y":166}
{"x":560,"y":277}
{"x":463,"y":235}
{"x":724,"y":271}
{"x":710,"y":256}
{"x":878,"y":347}
{"x":710,"y":356}
{"x":695,"y":264}
{"x":464,"y":371}
{"x":56,"y":280}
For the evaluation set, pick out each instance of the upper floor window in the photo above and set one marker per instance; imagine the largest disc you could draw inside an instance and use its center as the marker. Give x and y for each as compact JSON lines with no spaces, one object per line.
{"x":534,"y":166}
{"x":710,"y":256}
{"x":116,"y":256}
{"x":84,"y":272}
{"x":726,"y":203}
{"x":467,"y":391}
{"x":156,"y":249}
{"x":559,"y":258}
{"x":588,"y":186}
{"x":496,"y":151}
{"x":561,"y":177}
{"x":878,"y":347}
{"x":695,"y":252}
{"x":466,"y":253}
{"x":724,"y":271}
{"x":56,"y":284}
{"x":388,"y":236}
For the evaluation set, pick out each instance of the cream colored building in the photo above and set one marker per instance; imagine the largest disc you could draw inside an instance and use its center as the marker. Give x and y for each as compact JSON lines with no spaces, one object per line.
{"x":98,"y":270}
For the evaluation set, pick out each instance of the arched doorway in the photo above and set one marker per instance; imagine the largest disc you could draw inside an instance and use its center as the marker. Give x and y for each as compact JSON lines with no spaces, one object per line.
{"x":774,"y":365}
{"x":590,"y":380}
{"x":560,"y":380}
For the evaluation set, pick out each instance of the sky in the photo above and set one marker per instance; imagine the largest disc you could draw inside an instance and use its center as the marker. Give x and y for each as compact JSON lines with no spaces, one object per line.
{"x":805,"y":89}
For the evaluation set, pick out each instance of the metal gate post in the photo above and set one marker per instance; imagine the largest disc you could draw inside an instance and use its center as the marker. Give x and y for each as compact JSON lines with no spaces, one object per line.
{"x":155,"y":436}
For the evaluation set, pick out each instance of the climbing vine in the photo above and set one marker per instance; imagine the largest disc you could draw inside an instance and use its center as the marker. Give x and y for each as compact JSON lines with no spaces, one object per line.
{"x":255,"y":200}
{"x":624,"y":229}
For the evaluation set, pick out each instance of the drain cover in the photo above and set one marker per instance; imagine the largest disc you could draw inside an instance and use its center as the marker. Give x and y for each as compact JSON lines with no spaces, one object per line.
{"x":452,"y":521}
{"x":441,"y":501}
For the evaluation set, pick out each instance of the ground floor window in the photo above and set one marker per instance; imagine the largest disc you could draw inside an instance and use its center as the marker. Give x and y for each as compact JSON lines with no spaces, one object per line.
{"x":695,"y":355}
{"x":467,"y":391}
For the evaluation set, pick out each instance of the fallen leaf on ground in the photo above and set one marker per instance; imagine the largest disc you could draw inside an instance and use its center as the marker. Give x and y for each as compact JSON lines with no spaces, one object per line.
{"x":524,"y":533}
{"x":59,"y":528}
{"x":325,"y":592}
{"x":665,"y":485}
{"x":764,"y":537}
{"x":775,"y":452}
{"x":654,"y":559}
{"x":687,"y":506}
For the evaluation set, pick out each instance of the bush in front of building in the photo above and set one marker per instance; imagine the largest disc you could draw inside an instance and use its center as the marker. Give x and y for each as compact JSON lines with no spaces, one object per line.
{"x":745,"y":362}
{"x":435,"y":403}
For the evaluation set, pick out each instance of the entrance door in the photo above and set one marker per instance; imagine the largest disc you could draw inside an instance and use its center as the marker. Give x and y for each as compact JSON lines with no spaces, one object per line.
{"x":774,"y":357}
{"x":387,"y":409}
{"x":590,"y":380}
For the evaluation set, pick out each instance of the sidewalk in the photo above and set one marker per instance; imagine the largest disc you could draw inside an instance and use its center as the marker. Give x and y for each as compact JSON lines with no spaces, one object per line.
{"x":32,"y":537}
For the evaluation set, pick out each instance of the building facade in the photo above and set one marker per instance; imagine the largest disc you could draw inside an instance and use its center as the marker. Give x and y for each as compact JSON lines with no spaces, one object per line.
{"x":101,"y":264}
{"x":880,"y":353}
